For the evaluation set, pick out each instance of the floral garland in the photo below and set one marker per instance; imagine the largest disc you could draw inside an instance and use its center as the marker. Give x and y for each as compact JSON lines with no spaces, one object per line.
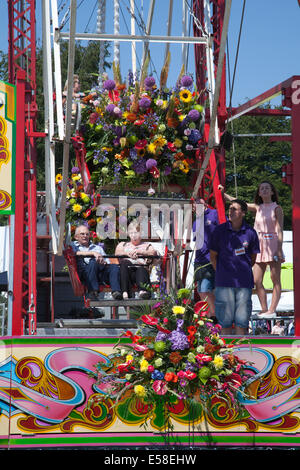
{"x":176,"y":354}
{"x":142,"y":134}
{"x":81,"y":208}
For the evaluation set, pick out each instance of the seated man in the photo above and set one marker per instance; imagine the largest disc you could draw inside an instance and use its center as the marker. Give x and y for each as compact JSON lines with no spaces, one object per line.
{"x":93,"y":269}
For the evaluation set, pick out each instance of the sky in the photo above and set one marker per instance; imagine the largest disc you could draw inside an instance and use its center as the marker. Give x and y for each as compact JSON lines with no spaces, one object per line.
{"x":269,"y":50}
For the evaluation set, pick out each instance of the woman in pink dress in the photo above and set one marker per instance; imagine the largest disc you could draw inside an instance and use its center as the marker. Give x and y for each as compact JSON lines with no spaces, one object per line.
{"x":269,"y":227}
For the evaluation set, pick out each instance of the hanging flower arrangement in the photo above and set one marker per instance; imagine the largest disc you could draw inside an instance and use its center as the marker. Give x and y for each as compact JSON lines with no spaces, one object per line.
{"x":177,"y":354}
{"x":141,"y":133}
{"x":80,"y":206}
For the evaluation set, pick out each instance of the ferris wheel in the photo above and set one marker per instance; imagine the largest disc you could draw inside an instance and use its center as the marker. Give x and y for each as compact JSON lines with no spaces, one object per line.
{"x":194,"y":32}
{"x":203,"y":24}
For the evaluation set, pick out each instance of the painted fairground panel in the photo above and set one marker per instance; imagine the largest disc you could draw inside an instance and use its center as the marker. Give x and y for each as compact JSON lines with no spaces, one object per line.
{"x":5,"y":355}
{"x":49,"y":397}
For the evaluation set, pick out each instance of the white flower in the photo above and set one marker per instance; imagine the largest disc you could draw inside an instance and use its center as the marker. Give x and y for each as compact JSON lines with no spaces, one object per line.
{"x":151,"y":191}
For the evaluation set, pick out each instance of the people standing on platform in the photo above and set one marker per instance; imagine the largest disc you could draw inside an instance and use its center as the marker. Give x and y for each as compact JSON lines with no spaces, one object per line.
{"x":93,"y":269}
{"x":135,"y":270}
{"x":77,"y":96}
{"x":269,"y":227}
{"x":233,"y":249}
{"x":204,"y":273}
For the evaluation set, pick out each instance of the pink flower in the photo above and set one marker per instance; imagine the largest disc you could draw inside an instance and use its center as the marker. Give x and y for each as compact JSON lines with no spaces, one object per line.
{"x":141,"y":144}
{"x":201,"y":307}
{"x":150,"y":368}
{"x":93,"y":118}
{"x":140,"y":347}
{"x":187,"y":374}
{"x":149,"y":320}
{"x":203,"y":358}
{"x":160,"y":387}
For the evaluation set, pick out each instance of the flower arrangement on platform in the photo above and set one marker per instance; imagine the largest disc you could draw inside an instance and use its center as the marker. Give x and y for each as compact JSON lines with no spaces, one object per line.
{"x":80,"y":206}
{"x":177,"y":354}
{"x":141,"y":133}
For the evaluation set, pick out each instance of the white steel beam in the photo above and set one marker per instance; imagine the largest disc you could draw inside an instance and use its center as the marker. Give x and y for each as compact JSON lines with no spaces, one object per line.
{"x":128,"y":38}
{"x":68,"y":119}
{"x":49,"y":126}
{"x":57,"y":72}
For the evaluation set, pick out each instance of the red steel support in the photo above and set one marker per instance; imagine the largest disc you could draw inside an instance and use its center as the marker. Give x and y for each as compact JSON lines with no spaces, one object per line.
{"x":22,"y":72}
{"x":291,"y":93}
{"x":215,"y":172}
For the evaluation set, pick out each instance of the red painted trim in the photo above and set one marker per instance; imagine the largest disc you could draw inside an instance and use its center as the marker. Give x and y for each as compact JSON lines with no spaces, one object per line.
{"x":296,"y":211}
{"x":18,"y":313}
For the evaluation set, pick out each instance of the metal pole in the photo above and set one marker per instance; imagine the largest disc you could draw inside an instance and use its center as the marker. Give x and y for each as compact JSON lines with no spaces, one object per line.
{"x":66,"y":149}
{"x":116,"y":31}
{"x":212,"y":129}
{"x":133,"y":44}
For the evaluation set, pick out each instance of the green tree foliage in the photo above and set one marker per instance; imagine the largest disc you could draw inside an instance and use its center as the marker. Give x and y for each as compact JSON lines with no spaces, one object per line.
{"x":255,"y":159}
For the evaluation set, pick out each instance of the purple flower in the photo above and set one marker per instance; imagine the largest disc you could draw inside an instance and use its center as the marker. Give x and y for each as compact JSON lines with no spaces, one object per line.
{"x":186,"y":81}
{"x":194,"y":136}
{"x":194,"y":115}
{"x":149,"y":82}
{"x":75,"y":170}
{"x":189,"y":147}
{"x":145,"y":102}
{"x":110,"y":108}
{"x":178,"y":338}
{"x":109,"y":85}
{"x":150,"y":163}
{"x":133,"y":154}
{"x":183,"y":383}
{"x":140,"y":166}
{"x":161,"y":336}
{"x":168,"y":170}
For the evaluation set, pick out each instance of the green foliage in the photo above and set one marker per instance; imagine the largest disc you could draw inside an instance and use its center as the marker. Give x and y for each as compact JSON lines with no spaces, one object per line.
{"x":255,"y":159}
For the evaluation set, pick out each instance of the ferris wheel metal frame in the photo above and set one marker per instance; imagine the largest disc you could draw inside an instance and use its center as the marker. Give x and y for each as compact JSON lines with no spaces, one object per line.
{"x":209,"y":43}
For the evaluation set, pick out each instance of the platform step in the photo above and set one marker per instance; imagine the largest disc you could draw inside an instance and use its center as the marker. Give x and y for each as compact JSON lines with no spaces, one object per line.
{"x":122,"y":303}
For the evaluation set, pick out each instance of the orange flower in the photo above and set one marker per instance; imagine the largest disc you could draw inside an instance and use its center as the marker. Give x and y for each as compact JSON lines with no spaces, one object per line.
{"x":121,"y":86}
{"x":131,"y":117}
{"x":171,"y":377}
{"x":172,"y":122}
{"x":149,"y":354}
{"x":175,"y":357}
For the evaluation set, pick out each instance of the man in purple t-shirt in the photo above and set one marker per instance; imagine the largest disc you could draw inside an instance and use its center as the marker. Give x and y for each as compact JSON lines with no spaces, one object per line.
{"x":233,"y":249}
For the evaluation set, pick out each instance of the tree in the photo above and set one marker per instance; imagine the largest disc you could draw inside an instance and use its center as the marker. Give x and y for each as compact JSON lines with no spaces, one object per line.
{"x":254,"y":159}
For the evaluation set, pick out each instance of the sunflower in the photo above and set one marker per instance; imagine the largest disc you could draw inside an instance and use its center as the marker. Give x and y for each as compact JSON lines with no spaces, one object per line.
{"x":140,"y":152}
{"x":159,"y":141}
{"x":184,"y":166}
{"x":185,"y":96}
{"x":58,"y":178}
{"x":151,"y":148}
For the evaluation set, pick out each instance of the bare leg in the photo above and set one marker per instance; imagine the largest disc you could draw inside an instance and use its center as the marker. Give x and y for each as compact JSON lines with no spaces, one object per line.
{"x":275,"y":271}
{"x":258,"y":274}
{"x":240,"y":331}
{"x":226,"y":331}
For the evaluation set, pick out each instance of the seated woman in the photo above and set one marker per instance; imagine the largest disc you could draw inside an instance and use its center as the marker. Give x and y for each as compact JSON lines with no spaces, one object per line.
{"x":135,"y":270}
{"x":92,"y":268}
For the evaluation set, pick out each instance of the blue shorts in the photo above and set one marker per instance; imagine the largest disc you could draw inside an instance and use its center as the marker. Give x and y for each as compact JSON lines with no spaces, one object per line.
{"x":205,"y":277}
{"x":233,"y":305}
